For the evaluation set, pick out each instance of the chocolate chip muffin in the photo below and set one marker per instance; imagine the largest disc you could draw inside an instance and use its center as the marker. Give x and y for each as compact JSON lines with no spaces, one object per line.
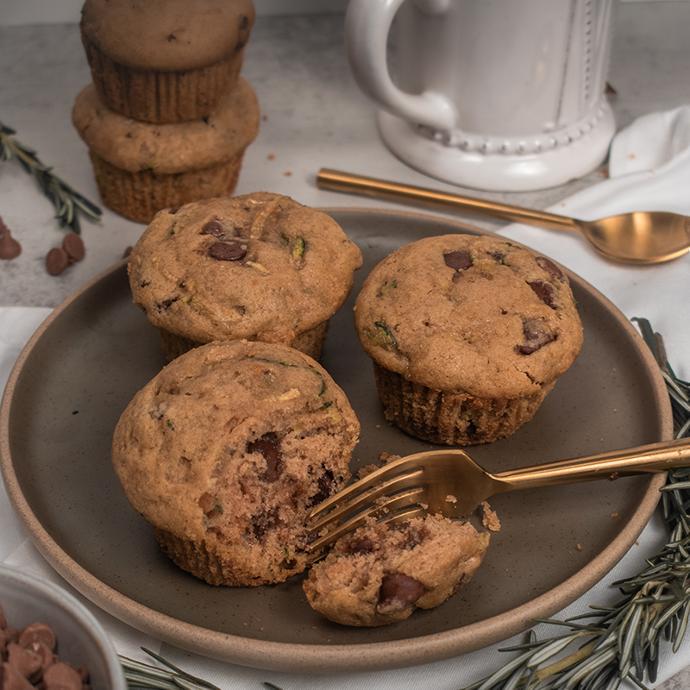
{"x":226,"y":450}
{"x":259,"y":266}
{"x":381,"y":573}
{"x":468,"y":335}
{"x":165,"y":61}
{"x":141,"y":168}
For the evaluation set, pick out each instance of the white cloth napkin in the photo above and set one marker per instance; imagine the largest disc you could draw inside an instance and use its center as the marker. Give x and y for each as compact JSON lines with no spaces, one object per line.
{"x":650,"y":170}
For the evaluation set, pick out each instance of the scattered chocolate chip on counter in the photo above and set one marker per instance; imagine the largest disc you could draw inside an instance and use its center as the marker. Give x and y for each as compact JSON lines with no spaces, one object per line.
{"x":28,"y":660}
{"x":74,"y":246}
{"x":71,"y":251}
{"x":56,"y":261}
{"x":9,"y":247}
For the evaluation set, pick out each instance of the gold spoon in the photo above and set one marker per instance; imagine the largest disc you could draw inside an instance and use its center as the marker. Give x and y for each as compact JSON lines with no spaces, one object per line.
{"x":640,"y":237}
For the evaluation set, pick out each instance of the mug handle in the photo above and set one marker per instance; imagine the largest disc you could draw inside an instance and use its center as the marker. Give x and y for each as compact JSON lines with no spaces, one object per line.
{"x":367,"y":25}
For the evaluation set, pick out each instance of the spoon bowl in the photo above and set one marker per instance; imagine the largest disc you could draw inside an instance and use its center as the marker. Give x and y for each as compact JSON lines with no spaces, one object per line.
{"x":644,"y":237}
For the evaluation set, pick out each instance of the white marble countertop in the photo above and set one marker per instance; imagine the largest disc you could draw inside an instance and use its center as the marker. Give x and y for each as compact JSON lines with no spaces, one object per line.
{"x":313,"y":116}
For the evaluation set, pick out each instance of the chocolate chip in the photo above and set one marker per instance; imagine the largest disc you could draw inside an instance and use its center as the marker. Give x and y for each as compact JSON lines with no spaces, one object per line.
{"x":38,"y":632}
{"x":213,"y":227}
{"x":536,"y":336}
{"x":471,"y":429}
{"x":550,"y":267}
{"x":9,"y":247}
{"x":39,"y":649}
{"x":56,"y":261}
{"x":24,"y":660}
{"x":498,"y":257}
{"x":74,"y":246}
{"x":288,"y":563}
{"x":4,"y":640}
{"x":11,"y":679}
{"x":399,"y":590}
{"x":325,"y":484}
{"x":460,"y":260}
{"x":227,"y":251}
{"x":165,"y":304}
{"x":268,"y":445}
{"x":207,"y":503}
{"x":171,"y":37}
{"x":61,"y":676}
{"x":414,"y":537}
{"x":362,"y":545}
{"x":262,"y":522}
{"x":544,"y":291}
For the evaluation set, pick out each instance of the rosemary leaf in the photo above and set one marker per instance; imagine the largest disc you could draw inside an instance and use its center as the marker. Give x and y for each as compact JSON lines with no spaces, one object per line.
{"x":69,"y":205}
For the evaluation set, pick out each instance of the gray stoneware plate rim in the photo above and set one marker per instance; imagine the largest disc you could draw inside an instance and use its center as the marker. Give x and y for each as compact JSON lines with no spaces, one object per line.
{"x":338,"y":657}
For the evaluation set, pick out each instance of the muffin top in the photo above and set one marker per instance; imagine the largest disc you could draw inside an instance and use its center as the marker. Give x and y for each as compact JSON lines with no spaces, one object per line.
{"x":475,"y":314}
{"x":171,"y":148}
{"x":259,"y":266}
{"x":224,"y":413}
{"x":167,"y":34}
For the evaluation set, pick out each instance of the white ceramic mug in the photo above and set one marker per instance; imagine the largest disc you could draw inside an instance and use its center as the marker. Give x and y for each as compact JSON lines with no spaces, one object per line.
{"x":494,"y":94}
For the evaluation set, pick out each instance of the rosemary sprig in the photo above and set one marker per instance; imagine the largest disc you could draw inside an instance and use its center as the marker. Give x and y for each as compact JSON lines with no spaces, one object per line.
{"x":69,"y":204}
{"x":601,"y":649}
{"x":141,"y":675}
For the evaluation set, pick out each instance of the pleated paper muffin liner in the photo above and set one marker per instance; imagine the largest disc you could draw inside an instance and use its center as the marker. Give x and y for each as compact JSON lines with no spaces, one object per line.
{"x":162,"y":97}
{"x":453,"y":418}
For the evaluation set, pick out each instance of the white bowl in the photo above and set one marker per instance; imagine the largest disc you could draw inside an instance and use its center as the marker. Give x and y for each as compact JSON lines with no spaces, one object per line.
{"x":81,"y":639}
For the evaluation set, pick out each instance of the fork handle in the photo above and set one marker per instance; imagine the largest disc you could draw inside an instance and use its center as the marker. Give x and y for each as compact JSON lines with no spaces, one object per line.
{"x":655,"y":457}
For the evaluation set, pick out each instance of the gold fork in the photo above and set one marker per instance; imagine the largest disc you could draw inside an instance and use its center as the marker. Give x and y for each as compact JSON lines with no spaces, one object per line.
{"x":451,"y":483}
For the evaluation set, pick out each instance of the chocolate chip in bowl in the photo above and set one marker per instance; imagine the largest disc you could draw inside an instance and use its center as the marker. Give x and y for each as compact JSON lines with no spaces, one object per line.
{"x":50,"y":640}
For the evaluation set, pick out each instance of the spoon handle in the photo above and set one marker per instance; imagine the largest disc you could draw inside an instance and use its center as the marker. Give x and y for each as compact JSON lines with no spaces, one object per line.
{"x":655,"y":457}
{"x":339,"y":181}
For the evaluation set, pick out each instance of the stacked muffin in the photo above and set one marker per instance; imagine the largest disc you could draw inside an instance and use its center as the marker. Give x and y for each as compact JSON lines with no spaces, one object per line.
{"x":167,"y":118}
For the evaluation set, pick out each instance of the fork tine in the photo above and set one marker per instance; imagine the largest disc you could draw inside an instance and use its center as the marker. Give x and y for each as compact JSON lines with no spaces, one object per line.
{"x":342,"y":506}
{"x":408,"y":514}
{"x":406,"y":499}
{"x":372,"y":479}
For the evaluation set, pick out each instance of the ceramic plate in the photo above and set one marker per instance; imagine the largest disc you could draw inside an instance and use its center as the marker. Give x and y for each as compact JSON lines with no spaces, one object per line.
{"x":87,"y":360}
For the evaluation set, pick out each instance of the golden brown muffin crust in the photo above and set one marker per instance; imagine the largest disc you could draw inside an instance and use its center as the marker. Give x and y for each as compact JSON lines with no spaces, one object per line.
{"x":171,"y":148}
{"x":259,"y":266}
{"x":167,"y":34}
{"x":228,"y":446}
{"x":477,"y":314}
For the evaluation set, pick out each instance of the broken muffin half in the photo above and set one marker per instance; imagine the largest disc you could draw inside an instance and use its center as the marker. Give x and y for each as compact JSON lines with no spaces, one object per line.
{"x":382,"y":572}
